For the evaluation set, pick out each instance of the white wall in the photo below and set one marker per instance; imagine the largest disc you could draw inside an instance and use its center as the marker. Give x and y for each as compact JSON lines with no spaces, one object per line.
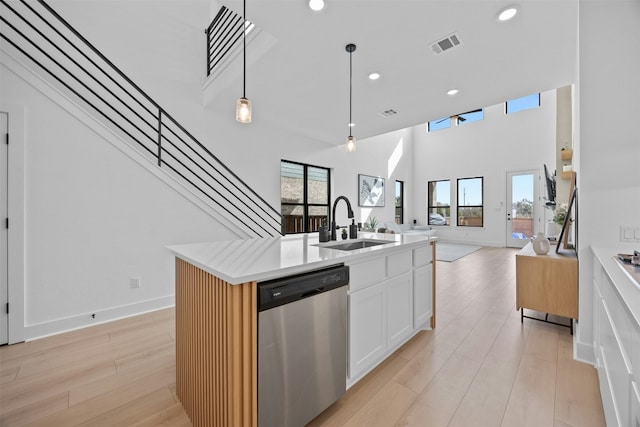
{"x":609,"y":146}
{"x":490,"y":148}
{"x":257,"y":149}
{"x":95,"y":218}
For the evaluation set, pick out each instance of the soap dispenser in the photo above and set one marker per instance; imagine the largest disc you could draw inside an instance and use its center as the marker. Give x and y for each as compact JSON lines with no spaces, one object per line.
{"x":323,"y":233}
{"x":353,"y":230}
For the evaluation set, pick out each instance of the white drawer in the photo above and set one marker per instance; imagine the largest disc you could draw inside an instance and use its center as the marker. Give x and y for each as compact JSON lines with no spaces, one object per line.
{"x":399,"y":263}
{"x":422,"y":256}
{"x":597,"y":270}
{"x":366,"y":273}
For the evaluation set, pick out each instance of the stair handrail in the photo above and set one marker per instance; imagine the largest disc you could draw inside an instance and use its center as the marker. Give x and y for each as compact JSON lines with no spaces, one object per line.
{"x":272,"y":215}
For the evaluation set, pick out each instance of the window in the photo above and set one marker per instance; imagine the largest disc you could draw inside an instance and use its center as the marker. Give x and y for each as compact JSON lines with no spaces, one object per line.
{"x":439,"y":202}
{"x":470,"y":202}
{"x":470,"y":116}
{"x":304,"y":196}
{"x":439,"y":124}
{"x":399,"y":202}
{"x":524,"y":103}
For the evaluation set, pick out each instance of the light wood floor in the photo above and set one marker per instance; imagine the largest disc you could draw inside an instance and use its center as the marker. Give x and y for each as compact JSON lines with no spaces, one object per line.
{"x":480,"y":367}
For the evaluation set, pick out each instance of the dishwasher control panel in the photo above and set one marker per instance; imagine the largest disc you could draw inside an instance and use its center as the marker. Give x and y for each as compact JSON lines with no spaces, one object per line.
{"x":281,"y":291}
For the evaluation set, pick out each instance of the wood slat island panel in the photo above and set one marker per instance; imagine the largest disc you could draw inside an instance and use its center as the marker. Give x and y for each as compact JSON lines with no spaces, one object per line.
{"x":216,"y":348}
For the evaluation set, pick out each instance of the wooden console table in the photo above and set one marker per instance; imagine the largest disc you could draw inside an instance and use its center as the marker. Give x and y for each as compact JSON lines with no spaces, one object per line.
{"x":547,"y":283}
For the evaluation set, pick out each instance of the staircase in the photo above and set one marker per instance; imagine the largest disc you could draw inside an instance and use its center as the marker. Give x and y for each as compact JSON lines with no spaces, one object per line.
{"x":35,"y":33}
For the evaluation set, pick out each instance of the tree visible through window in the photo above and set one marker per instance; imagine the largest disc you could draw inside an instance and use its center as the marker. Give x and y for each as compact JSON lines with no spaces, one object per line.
{"x":304,"y":196}
{"x":470,"y":208}
{"x":439,"y":202}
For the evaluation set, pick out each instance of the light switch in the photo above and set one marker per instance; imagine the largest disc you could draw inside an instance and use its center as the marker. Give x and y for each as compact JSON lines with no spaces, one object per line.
{"x":636,"y":233}
{"x":628,"y":233}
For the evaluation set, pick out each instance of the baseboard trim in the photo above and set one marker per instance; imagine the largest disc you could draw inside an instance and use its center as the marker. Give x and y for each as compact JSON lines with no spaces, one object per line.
{"x":582,"y":352}
{"x":68,"y":324}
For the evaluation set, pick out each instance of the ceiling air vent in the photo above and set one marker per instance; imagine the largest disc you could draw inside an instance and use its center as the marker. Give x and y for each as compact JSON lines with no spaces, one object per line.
{"x":446,"y":43}
{"x":388,"y":113}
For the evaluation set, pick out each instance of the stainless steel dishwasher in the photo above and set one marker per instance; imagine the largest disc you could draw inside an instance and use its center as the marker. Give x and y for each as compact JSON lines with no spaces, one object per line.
{"x":302,"y":346}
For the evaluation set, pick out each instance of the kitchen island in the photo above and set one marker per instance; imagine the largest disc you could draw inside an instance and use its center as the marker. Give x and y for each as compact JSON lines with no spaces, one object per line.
{"x":391,"y":297}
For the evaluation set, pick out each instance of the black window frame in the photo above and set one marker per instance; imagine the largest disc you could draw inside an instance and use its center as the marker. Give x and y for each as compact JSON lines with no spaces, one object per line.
{"x":306,"y":226}
{"x":429,"y":124}
{"x":458,"y":205}
{"x":470,"y":117}
{"x":506,"y":104}
{"x":433,"y":208}
{"x":401,"y":205}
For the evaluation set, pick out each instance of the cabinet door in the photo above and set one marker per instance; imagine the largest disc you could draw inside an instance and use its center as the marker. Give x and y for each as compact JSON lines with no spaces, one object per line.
{"x":635,"y":405}
{"x":422,"y":302}
{"x":367,"y":328}
{"x":399,"y":309}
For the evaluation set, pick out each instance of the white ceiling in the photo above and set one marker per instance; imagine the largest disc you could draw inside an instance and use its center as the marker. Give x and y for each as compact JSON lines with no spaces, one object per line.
{"x":301,"y":82}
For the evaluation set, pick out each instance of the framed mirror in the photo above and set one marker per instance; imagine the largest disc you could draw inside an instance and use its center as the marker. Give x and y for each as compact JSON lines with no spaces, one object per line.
{"x":570,"y":223}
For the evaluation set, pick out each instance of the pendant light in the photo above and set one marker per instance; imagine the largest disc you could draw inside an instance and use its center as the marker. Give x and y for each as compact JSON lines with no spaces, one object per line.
{"x":243,"y":105}
{"x":351,"y":141}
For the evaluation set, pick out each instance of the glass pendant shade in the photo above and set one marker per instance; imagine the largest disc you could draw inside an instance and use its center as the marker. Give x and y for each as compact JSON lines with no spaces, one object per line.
{"x":243,"y":110}
{"x":351,"y":144}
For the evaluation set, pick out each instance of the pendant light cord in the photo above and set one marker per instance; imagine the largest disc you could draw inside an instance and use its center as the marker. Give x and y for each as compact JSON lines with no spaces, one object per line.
{"x":350,"y":89}
{"x":244,"y":48}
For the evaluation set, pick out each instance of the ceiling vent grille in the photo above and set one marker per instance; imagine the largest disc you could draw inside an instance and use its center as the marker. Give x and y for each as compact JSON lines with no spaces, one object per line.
{"x":446,"y":43}
{"x":388,"y":113}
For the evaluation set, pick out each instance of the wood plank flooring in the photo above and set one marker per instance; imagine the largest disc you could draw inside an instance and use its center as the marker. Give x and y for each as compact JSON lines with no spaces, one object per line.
{"x":479,"y":367}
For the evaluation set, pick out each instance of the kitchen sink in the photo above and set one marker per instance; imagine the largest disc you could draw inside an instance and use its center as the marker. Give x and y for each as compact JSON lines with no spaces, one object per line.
{"x":355,"y":244}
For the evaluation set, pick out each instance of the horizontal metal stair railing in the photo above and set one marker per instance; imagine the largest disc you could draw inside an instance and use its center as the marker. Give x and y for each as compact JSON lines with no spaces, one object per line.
{"x":74,"y":66}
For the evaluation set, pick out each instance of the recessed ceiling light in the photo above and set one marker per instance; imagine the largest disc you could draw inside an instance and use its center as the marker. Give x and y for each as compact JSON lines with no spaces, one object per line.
{"x":374,"y":76}
{"x":316,"y":5}
{"x":452,"y":92}
{"x":507,"y":13}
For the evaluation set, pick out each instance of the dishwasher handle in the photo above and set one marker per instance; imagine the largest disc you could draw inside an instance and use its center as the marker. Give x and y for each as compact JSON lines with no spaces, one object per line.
{"x":311,"y":293}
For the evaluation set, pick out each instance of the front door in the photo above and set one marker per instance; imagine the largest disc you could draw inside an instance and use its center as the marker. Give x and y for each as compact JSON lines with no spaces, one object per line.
{"x":522,"y":192}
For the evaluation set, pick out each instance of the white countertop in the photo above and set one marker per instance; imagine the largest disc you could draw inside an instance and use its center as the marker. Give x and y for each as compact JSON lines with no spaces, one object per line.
{"x":241,"y":261}
{"x":627,"y":286}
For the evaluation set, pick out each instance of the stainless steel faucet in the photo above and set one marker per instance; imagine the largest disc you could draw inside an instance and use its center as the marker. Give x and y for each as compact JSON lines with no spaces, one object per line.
{"x":333,"y":215}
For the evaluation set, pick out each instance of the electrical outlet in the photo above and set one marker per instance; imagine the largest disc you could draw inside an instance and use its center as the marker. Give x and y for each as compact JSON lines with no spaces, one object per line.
{"x":135,"y":282}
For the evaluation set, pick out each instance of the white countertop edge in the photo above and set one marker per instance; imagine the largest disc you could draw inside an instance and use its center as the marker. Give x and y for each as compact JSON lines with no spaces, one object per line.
{"x":191,"y":254}
{"x":625,"y":285}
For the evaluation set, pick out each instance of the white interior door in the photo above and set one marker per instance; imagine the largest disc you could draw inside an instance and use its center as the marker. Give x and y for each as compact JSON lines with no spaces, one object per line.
{"x":522,"y":193}
{"x":4,"y":232}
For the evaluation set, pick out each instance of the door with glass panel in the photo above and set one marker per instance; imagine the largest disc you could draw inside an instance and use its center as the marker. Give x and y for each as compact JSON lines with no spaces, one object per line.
{"x":522,"y":192}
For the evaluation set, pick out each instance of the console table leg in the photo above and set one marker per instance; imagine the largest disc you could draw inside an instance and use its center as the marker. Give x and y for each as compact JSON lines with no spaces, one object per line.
{"x":571,"y":326}
{"x":521,"y":315}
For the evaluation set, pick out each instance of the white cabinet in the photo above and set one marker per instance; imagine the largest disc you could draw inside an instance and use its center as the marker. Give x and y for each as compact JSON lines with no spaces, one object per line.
{"x":367,"y":328}
{"x":399,"y":263}
{"x":616,"y":341}
{"x":635,"y":405}
{"x":422,"y":308}
{"x":389,"y":299}
{"x":399,"y":309}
